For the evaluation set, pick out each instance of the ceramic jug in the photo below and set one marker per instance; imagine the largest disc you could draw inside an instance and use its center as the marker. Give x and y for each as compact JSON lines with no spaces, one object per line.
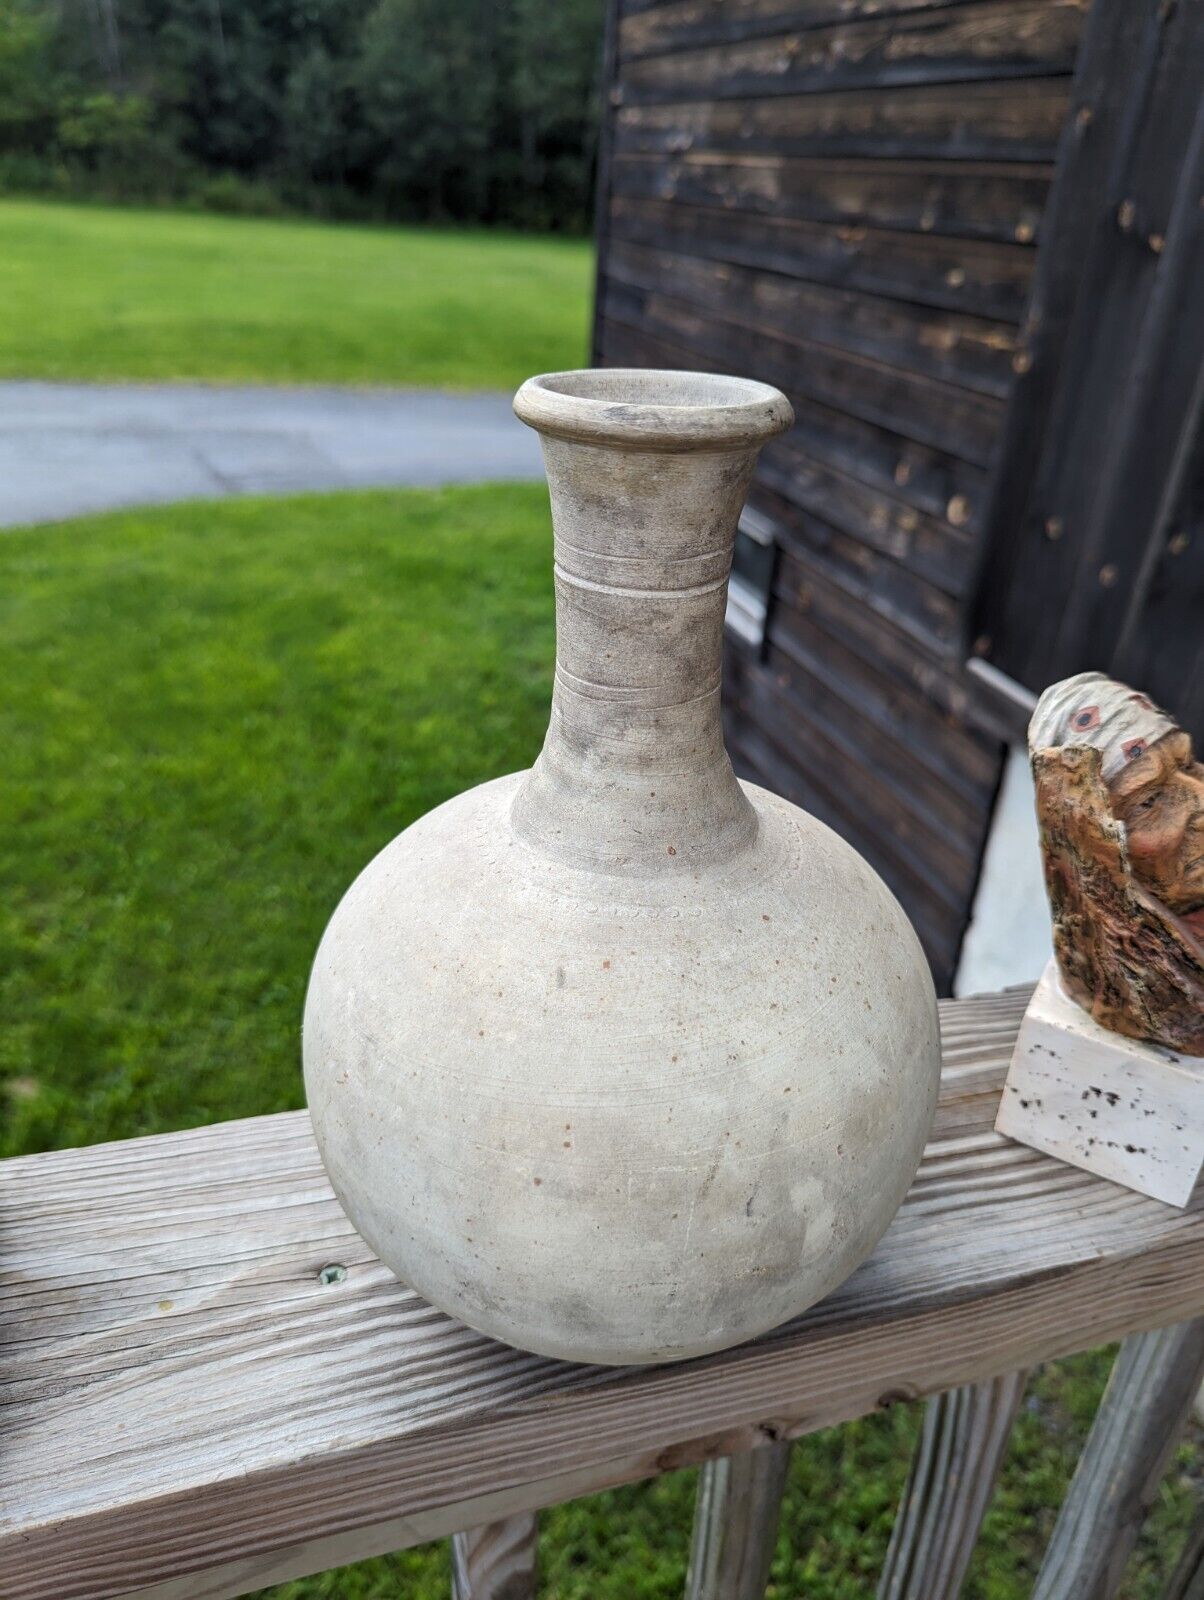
{"x":622,"y":1059}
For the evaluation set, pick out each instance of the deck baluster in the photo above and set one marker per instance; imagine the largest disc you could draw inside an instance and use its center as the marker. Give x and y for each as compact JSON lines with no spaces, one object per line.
{"x":957,"y":1460}
{"x":1144,"y":1408}
{"x":1187,"y":1581}
{"x":496,"y":1561}
{"x":736,"y":1524}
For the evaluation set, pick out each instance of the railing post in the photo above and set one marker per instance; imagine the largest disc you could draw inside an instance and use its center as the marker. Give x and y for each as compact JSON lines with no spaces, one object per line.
{"x":952,"y":1477}
{"x":1145,"y":1405}
{"x":496,"y":1561}
{"x":1187,"y":1581}
{"x":736,"y":1524}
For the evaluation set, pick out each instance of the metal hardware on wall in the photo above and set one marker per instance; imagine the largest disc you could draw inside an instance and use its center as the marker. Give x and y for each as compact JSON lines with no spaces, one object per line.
{"x":752,"y":578}
{"x":998,"y":703}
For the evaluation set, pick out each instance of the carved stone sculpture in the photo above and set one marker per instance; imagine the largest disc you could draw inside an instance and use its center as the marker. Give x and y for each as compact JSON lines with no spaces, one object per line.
{"x":620,"y":1059}
{"x":1120,"y":800}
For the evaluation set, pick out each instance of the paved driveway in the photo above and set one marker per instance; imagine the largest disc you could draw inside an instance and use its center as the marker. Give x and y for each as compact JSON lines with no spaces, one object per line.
{"x":71,"y":448}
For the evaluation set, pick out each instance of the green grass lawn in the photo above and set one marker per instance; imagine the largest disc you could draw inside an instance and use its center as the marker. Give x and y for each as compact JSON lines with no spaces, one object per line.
{"x":96,"y":292}
{"x":212,"y":717}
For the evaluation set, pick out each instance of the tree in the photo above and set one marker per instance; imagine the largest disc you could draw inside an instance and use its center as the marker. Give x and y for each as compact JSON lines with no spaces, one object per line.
{"x":426,"y":76}
{"x":557,"y":61}
{"x":314,"y":134}
{"x":473,"y":110}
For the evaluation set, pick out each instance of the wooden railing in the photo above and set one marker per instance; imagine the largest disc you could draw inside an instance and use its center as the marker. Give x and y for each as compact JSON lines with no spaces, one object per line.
{"x":212,"y":1385}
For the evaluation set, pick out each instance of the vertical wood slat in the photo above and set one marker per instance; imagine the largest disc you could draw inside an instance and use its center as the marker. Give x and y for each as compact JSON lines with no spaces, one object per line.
{"x":1145,"y":1405}
{"x":1142,"y":471}
{"x":736,"y":1524}
{"x":1187,"y":1582}
{"x":1098,"y":113}
{"x":957,"y":1460}
{"x":496,"y":1561}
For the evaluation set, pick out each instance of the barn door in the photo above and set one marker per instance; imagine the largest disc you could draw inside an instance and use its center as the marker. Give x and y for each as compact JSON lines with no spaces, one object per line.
{"x":1095,"y":548}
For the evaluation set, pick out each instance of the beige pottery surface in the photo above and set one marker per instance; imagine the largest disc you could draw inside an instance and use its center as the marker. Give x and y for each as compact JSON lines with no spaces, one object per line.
{"x":620,"y":1059}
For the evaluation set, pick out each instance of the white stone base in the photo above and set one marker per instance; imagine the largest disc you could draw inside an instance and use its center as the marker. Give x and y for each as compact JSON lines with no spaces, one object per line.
{"x":1123,"y":1109}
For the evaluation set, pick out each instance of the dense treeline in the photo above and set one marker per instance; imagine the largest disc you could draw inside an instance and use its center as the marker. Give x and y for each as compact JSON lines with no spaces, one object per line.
{"x":469,"y":110}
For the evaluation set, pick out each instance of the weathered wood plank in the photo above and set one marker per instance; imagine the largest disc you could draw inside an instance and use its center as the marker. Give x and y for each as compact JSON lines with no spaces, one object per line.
{"x":930,"y":480}
{"x":496,"y":1561}
{"x":905,"y":853}
{"x":1160,"y":417}
{"x":684,"y":24}
{"x":1019,"y":120}
{"x":194,"y":1408}
{"x":954,"y":760}
{"x":924,"y":409}
{"x":925,"y":545}
{"x":1093,"y":432}
{"x":679,"y":25}
{"x":878,"y":657}
{"x":911,"y":601}
{"x":736,"y":1524}
{"x":961,"y":1449}
{"x":753,"y":748}
{"x":836,"y":755}
{"x":1145,"y":1405}
{"x":971,"y":352}
{"x":1187,"y":1581}
{"x":926,"y":617}
{"x":984,"y":39}
{"x":969,"y":200}
{"x":898,"y":748}
{"x":1162,"y":645}
{"x":959,"y":274}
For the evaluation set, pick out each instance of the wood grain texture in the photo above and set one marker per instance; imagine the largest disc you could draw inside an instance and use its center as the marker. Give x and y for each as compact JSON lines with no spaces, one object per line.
{"x":736,"y":1518}
{"x":1102,"y":425}
{"x":846,"y":199}
{"x":757,"y":756}
{"x":919,"y":475}
{"x":1161,"y":644}
{"x":923,"y":409}
{"x":971,"y":200}
{"x":876,"y":651}
{"x":912,"y":763}
{"x":1187,"y":1580}
{"x":925,"y":545}
{"x":681,"y":24}
{"x":1145,"y":1406}
{"x":1081,"y":198}
{"x":984,"y":39}
{"x":191,"y":1411}
{"x":986,"y":121}
{"x":831,"y":750}
{"x":1161,"y":417}
{"x":986,"y":278}
{"x":961,"y":1448}
{"x":973,"y":352}
{"x":956,"y":764}
{"x":496,"y":1561}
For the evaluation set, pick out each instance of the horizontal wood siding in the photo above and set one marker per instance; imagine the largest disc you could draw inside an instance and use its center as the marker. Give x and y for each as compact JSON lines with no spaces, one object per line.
{"x":845,"y":198}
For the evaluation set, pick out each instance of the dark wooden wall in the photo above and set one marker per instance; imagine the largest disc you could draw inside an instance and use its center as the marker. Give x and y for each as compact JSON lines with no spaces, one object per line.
{"x":1094,"y":556}
{"x":845,"y":198}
